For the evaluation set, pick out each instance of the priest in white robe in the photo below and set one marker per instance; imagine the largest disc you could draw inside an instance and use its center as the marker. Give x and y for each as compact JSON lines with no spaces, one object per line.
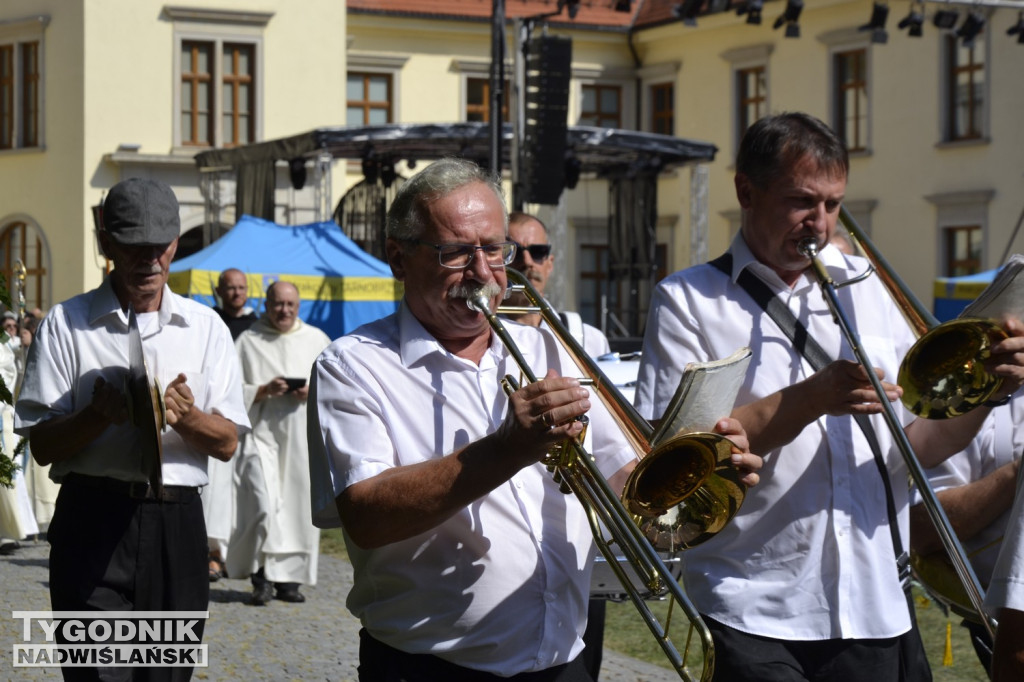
{"x":276,"y":355}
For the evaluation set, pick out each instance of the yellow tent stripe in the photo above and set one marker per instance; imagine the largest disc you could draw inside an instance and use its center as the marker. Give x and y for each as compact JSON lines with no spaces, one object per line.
{"x":311,"y":287}
{"x":958,"y":290}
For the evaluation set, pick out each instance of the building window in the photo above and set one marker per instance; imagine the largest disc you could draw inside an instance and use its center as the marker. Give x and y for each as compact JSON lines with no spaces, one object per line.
{"x":963,"y":250}
{"x":238,"y":94}
{"x":596,"y":287}
{"x":601,"y":106}
{"x":663,"y":108}
{"x":751,"y":96}
{"x":851,"y":98}
{"x":965,"y":89}
{"x":21,"y":242}
{"x":369,"y":99}
{"x":209,"y":68}
{"x":478,"y":100}
{"x":20,"y":83}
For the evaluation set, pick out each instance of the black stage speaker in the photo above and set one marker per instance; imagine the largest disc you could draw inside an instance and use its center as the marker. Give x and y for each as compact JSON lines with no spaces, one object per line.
{"x":542,"y":159}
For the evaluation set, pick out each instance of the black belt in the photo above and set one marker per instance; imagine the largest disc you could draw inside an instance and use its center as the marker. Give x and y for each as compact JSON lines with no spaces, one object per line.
{"x":136,"y":490}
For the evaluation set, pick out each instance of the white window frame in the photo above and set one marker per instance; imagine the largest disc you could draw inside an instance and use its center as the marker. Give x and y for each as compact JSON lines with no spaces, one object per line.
{"x":945,"y":59}
{"x":480,"y":69}
{"x":844,"y":40}
{"x":17,"y":32}
{"x":955,"y":209}
{"x":749,"y":57}
{"x":218,"y":27}
{"x":388,"y":65}
{"x":652,"y":76}
{"x":624,"y":79}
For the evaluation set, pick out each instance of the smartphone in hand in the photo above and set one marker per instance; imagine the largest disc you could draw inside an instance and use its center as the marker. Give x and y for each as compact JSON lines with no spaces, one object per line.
{"x":295,"y":383}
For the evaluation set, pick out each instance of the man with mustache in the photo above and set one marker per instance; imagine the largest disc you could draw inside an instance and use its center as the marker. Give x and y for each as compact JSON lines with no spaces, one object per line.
{"x":118,"y":543}
{"x":469,"y":563}
{"x":534,"y":258}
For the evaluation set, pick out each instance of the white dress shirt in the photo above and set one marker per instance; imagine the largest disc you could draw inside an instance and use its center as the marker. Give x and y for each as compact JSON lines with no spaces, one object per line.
{"x":999,"y":441}
{"x":809,"y":556}
{"x":502,"y":586}
{"x":87,"y":337}
{"x":1006,"y":588}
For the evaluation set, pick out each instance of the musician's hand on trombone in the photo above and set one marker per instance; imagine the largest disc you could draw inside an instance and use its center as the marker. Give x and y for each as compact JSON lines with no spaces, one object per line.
{"x":1007,"y":359}
{"x":748,"y":463}
{"x":543,"y":413}
{"x":843,"y":387}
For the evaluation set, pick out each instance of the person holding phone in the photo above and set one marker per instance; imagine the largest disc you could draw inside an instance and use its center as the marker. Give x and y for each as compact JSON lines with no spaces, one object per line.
{"x":276,"y":355}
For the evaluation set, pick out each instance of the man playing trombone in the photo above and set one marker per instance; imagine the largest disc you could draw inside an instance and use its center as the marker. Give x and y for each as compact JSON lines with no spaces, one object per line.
{"x":804,"y":584}
{"x":469,"y":563}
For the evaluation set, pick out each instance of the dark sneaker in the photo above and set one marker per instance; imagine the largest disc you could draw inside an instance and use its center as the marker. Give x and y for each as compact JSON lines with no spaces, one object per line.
{"x":290,"y":593}
{"x":261,"y":594}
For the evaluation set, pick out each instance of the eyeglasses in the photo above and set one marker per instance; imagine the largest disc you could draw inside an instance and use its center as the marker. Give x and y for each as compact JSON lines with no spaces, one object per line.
{"x":538,"y":252}
{"x":459,"y":256}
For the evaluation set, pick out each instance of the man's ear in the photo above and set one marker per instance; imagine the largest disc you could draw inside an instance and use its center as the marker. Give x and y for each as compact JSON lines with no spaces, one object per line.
{"x":743,"y":189}
{"x":395,"y":252}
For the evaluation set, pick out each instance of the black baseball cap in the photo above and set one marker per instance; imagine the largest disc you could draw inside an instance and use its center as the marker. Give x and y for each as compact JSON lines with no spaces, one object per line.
{"x":141,"y":211}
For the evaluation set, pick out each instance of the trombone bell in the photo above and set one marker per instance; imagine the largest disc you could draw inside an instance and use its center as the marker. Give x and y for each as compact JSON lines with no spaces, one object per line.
{"x":684,"y":491}
{"x":944,"y":373}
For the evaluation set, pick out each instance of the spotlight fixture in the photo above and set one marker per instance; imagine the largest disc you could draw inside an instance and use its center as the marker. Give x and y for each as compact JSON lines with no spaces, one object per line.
{"x":623,"y":6}
{"x":687,"y":11}
{"x":913,"y":21}
{"x":879,"y":15}
{"x":970,"y":28}
{"x":1017,"y":29}
{"x":945,"y":18}
{"x":572,"y":5}
{"x":790,"y":18}
{"x":752,"y":8}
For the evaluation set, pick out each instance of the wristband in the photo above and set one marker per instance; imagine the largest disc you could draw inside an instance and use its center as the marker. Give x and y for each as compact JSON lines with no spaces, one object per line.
{"x":998,"y":403}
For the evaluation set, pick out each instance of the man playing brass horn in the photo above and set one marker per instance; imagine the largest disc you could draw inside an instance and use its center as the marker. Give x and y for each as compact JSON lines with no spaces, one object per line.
{"x":803,"y":584}
{"x":469,"y":563}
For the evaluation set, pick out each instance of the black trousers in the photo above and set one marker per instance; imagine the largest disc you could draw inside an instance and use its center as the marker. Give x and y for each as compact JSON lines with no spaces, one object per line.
{"x":109,"y":552}
{"x":741,"y":657}
{"x":379,"y":662}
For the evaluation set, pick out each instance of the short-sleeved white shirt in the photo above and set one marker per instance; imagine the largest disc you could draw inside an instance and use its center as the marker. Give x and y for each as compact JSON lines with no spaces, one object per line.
{"x":1006,"y":588}
{"x":503,"y":585}
{"x":999,"y":442}
{"x":809,"y":556}
{"x":86,"y":337}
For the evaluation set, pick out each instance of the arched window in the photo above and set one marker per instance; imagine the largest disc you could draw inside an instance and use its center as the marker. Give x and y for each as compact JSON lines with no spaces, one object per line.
{"x":20,"y":241}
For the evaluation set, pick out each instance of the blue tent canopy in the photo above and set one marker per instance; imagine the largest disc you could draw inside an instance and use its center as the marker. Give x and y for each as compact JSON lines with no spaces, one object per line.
{"x":340,"y":285}
{"x":952,"y":294}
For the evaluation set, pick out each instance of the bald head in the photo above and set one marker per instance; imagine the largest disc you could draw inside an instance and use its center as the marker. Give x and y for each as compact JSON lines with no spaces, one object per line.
{"x":282,"y":305}
{"x":232,"y":288}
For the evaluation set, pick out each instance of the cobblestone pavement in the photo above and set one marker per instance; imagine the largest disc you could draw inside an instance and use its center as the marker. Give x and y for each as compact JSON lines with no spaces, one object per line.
{"x":312,"y":641}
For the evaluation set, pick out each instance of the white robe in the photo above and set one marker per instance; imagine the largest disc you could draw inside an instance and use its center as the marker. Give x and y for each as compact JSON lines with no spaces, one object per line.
{"x":17,"y":519}
{"x":278,"y":440}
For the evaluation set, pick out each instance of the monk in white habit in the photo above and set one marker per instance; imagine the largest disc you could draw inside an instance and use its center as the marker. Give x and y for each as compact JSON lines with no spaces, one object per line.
{"x":277,"y":354}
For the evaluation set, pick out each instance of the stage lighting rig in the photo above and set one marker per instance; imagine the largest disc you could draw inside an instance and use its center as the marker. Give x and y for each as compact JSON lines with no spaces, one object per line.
{"x":752,"y":8}
{"x":790,"y":17}
{"x":687,"y":11}
{"x":970,"y":28}
{"x":1017,"y":29}
{"x":879,"y":15}
{"x":914,"y":21}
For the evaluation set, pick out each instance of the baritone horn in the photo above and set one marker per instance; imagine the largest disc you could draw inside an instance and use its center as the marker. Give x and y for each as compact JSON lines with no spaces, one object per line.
{"x":945,"y":383}
{"x":612,"y":524}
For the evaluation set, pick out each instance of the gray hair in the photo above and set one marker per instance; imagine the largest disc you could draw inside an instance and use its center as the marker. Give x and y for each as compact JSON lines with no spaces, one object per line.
{"x":774,"y":143}
{"x":407,"y":217}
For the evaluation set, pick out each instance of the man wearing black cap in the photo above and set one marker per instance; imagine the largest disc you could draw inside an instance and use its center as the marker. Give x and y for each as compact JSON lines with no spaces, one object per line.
{"x":119,"y":540}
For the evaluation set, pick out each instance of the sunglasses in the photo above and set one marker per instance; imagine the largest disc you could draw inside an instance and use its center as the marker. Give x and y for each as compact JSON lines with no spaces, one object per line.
{"x":538,"y":252}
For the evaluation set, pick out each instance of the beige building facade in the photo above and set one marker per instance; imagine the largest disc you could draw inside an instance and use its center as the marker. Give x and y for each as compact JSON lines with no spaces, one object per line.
{"x":94,"y":92}
{"x":100,"y":91}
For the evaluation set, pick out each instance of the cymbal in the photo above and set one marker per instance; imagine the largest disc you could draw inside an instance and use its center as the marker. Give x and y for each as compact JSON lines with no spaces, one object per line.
{"x":146,"y":409}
